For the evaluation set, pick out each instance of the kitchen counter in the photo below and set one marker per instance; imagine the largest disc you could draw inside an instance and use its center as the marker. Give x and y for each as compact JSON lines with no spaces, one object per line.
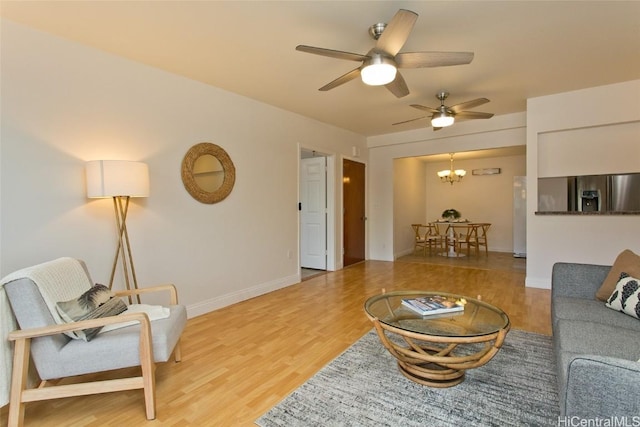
{"x":580,"y":213}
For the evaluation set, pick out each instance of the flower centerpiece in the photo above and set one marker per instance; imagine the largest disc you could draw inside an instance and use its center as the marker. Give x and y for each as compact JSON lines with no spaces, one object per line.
{"x":450,"y":214}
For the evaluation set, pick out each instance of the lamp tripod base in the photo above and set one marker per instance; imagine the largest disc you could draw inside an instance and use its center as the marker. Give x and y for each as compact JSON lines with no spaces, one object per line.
{"x":123,"y":251}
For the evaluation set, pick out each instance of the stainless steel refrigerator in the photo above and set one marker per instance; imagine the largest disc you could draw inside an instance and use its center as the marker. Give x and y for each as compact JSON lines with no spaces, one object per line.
{"x":624,"y":192}
{"x":607,"y":193}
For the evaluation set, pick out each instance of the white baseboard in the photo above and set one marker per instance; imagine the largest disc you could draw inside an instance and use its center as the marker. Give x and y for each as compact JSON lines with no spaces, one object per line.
{"x":207,"y":306}
{"x":533,"y":282}
{"x":403,"y":253}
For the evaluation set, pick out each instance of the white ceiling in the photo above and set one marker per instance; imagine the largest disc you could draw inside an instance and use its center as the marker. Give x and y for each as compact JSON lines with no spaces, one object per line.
{"x":522,"y":49}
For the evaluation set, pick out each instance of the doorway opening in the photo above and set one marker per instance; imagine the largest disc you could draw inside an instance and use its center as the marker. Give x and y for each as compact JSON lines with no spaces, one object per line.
{"x":316,"y":212}
{"x":354,"y":216}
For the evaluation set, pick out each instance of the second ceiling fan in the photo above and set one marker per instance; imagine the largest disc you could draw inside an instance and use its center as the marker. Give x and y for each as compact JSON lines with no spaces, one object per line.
{"x":444,"y":116}
{"x":379,"y":66}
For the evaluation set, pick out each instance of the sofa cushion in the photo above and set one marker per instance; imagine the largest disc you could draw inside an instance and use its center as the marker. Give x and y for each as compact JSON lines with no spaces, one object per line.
{"x":599,"y":387}
{"x":592,"y":338}
{"x":627,"y":262}
{"x":591,"y":310}
{"x":626,"y":296}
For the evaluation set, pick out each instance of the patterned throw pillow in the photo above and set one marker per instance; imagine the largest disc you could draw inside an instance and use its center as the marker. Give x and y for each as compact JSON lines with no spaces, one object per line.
{"x":626,"y":296}
{"x":626,"y":261}
{"x":97,"y":302}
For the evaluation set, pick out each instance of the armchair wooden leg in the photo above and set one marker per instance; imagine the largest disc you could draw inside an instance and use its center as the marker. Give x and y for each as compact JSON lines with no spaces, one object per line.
{"x":149,"y":381}
{"x":18,"y":381}
{"x":177,"y":352}
{"x":148,"y":371}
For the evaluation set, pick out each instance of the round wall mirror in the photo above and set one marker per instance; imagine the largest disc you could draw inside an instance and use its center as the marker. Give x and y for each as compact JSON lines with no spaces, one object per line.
{"x":208,"y":173}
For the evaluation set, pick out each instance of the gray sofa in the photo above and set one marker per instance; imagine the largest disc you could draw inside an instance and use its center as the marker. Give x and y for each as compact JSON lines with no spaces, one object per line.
{"x":596,"y":348}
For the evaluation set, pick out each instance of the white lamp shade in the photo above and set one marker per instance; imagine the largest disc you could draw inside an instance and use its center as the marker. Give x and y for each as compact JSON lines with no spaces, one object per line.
{"x":110,"y":178}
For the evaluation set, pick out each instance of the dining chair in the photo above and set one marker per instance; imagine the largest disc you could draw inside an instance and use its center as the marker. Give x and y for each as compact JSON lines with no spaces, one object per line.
{"x":420,"y":241}
{"x":435,"y":238}
{"x":481,"y":237}
{"x":467,"y":235}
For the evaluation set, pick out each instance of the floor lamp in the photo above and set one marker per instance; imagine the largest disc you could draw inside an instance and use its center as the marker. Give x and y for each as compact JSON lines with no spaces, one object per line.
{"x":120,"y":180}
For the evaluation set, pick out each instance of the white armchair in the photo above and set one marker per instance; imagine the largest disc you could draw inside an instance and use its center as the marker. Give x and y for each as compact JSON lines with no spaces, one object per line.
{"x":55,"y":355}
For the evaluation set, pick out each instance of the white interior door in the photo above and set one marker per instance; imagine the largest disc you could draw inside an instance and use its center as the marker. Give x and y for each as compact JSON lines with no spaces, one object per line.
{"x":313,"y":213}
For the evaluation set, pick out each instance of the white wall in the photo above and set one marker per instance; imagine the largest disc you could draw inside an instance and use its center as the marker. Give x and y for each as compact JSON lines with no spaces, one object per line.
{"x":500,"y":131}
{"x":588,"y":150}
{"x":64,"y":104}
{"x":409,"y":207}
{"x":571,"y":238}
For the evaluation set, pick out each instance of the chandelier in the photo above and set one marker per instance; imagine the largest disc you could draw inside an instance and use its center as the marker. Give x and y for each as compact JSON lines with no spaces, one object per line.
{"x":451,"y":175}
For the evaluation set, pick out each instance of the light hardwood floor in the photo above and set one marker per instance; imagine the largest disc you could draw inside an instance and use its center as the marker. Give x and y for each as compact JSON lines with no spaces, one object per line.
{"x":241,"y":360}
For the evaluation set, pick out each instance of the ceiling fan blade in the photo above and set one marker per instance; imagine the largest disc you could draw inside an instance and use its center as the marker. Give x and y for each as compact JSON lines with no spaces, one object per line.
{"x":398,"y":86}
{"x":397,"y":32}
{"x":331,"y":53}
{"x":341,"y":80}
{"x":432,"y":59}
{"x":408,"y":121}
{"x":473,"y":115}
{"x":423,"y":108}
{"x":458,"y":108}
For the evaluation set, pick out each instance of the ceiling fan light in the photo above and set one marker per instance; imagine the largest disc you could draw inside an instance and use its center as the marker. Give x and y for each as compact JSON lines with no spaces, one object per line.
{"x":441,"y":120}
{"x":378,"y":70}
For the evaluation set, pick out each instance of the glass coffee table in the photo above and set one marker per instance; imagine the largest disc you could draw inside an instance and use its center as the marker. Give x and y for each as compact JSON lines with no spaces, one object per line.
{"x":437,"y":349}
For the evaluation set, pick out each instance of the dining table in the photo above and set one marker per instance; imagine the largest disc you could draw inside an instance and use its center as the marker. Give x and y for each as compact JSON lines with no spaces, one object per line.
{"x":452,"y":235}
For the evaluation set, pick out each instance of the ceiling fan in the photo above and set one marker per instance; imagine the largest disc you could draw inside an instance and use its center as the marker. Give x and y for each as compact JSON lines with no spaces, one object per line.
{"x":380,"y":64}
{"x":444,"y":116}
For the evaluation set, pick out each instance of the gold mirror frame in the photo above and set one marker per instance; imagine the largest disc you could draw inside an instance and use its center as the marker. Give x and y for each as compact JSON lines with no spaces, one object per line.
{"x":188,"y":178}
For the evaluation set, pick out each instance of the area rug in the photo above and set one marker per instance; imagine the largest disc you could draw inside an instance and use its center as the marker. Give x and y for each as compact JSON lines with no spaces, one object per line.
{"x":363,"y":387}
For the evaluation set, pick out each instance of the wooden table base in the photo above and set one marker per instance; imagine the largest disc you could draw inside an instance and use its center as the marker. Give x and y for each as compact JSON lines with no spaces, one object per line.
{"x":431,"y":360}
{"x":431,"y":374}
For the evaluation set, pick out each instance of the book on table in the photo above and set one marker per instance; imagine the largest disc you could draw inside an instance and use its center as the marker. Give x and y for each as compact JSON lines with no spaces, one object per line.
{"x":434,"y":304}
